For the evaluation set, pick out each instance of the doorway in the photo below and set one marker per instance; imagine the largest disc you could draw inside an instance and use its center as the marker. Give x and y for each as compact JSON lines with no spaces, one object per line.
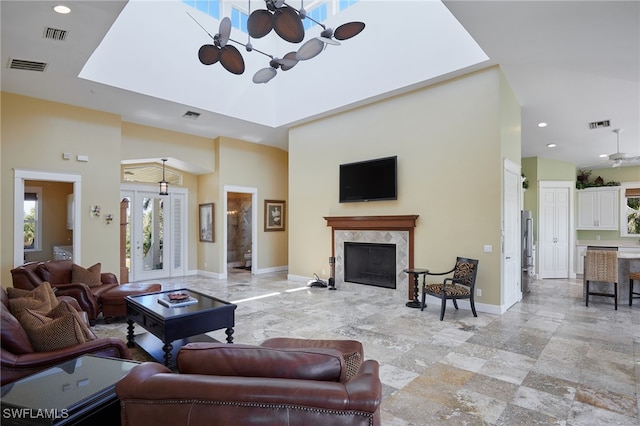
{"x":239,"y":235}
{"x":240,"y":229}
{"x":154,"y":233}
{"x":511,"y":276}
{"x":19,"y":178}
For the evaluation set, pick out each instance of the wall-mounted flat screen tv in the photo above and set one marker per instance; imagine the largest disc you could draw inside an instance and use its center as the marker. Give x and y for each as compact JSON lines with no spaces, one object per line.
{"x":371,"y":180}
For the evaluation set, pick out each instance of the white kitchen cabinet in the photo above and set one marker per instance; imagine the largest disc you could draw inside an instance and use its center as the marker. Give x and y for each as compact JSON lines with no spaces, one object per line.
{"x":598,"y":208}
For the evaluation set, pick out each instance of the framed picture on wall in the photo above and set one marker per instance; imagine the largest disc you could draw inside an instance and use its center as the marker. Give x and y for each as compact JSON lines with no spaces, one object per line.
{"x":206,"y":223}
{"x":274,"y":215}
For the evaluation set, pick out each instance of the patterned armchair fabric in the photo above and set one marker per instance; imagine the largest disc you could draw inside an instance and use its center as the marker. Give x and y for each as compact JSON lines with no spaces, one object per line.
{"x":459,"y":286}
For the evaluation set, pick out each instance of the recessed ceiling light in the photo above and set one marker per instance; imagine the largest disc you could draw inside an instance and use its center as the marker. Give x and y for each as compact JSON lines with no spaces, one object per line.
{"x":551,"y":145}
{"x":603,"y":155}
{"x":542,"y":124}
{"x":62,"y":9}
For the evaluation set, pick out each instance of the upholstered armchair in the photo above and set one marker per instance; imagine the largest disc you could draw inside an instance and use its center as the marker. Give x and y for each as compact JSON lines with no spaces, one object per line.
{"x":283,"y":381}
{"x":84,"y":285}
{"x":19,"y":358}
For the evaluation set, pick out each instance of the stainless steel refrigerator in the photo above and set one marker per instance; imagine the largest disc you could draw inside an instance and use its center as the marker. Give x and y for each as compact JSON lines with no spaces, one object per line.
{"x":526,"y":236}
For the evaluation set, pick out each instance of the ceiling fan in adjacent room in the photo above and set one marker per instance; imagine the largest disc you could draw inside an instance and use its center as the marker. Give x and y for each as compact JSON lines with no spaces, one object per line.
{"x":619,"y":158}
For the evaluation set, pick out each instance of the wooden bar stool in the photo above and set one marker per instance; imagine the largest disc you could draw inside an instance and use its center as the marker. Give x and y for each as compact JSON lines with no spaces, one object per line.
{"x":633,"y":294}
{"x":601,"y":266}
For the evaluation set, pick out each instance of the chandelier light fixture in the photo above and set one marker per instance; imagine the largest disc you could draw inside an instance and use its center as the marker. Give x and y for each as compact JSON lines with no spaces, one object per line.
{"x":286,"y":22}
{"x":164,"y":185}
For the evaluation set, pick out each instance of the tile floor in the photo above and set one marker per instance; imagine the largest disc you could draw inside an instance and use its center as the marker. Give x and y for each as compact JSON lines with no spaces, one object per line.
{"x":548,"y":360}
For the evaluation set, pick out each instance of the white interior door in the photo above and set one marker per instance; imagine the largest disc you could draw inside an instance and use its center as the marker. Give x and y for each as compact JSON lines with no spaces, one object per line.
{"x":554,"y":239}
{"x":511,"y":276}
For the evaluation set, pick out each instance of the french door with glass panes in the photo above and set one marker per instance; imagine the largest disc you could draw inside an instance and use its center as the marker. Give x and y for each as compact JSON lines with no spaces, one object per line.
{"x":155,"y":243}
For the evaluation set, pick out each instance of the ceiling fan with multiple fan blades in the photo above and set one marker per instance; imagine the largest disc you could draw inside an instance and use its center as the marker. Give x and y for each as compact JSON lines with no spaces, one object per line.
{"x":618,"y":157}
{"x":286,"y":21}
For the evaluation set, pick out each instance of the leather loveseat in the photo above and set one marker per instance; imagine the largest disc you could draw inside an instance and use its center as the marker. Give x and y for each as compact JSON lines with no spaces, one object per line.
{"x":59,"y":274}
{"x":281,"y":382}
{"x":18,"y":358}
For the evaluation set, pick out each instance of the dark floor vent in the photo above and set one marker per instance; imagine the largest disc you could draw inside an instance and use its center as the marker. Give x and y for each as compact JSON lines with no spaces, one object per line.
{"x":19,"y":64}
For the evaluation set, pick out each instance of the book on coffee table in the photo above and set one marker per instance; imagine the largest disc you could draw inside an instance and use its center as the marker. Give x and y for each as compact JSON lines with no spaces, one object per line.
{"x":165,"y":301}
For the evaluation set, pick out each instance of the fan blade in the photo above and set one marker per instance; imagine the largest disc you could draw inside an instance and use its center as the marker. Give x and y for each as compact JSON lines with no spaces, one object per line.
{"x":348,"y":30}
{"x":208,"y":54}
{"x":264,"y":75}
{"x":288,"y":61}
{"x":225,"y":31}
{"x":310,"y":49}
{"x":331,"y":41}
{"x":260,"y":23}
{"x":288,"y":25}
{"x":231,"y":59}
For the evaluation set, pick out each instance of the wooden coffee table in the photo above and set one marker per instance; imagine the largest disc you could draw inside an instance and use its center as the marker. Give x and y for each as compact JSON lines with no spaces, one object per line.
{"x":170,"y":328}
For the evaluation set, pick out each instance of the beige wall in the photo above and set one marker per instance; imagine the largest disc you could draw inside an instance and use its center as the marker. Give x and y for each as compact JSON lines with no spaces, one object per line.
{"x":266,"y":169}
{"x":35,"y":133}
{"x":143,"y":142}
{"x":450,"y":140}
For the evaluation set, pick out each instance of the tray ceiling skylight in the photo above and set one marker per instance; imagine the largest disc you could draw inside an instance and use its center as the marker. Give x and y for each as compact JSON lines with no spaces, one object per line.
{"x":152,"y":48}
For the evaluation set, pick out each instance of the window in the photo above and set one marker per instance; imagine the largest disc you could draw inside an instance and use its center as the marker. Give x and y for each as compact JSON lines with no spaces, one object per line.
{"x":347,"y":3}
{"x":318,"y":13}
{"x":32,"y":214}
{"x":210,"y":7}
{"x":630,"y":211}
{"x":239,"y":20}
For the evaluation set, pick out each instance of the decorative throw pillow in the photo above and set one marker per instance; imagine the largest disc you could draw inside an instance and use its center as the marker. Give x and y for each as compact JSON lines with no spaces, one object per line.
{"x":59,"y":328}
{"x":89,"y":276}
{"x":40,"y":299}
{"x":353,"y":362}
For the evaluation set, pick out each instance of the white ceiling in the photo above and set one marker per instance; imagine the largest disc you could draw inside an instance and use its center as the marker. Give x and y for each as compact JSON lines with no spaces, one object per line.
{"x":568,"y":62}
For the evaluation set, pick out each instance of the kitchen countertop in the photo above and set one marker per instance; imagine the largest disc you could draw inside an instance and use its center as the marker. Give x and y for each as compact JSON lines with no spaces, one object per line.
{"x":632,"y":242}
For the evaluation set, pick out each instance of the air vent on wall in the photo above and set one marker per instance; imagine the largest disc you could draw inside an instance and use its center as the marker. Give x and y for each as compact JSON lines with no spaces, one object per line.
{"x":19,"y":64}
{"x":192,"y":115}
{"x":55,"y":34}
{"x":599,"y":124}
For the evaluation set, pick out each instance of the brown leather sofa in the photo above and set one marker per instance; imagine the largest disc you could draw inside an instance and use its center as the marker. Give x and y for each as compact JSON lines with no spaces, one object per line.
{"x":281,"y":382}
{"x":58,"y":273}
{"x":18,"y":357}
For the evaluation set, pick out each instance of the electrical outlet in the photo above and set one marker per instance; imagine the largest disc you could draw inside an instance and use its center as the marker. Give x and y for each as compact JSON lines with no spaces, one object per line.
{"x":479,"y":292}
{"x":324,"y":272}
{"x":488,"y":248}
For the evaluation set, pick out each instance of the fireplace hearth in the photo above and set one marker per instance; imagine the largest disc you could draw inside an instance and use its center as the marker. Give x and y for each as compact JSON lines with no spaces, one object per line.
{"x":370,"y":264}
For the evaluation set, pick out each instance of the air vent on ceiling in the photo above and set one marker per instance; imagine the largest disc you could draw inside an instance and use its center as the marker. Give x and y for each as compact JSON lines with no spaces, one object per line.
{"x":599,"y":124}
{"x":19,"y":64}
{"x":192,"y":115}
{"x":55,"y":34}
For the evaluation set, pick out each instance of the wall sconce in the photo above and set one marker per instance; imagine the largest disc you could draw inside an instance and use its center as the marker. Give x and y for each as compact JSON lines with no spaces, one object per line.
{"x":164,"y":185}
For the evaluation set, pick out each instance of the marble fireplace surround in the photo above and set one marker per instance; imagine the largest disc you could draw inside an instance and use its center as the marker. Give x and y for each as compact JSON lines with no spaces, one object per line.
{"x":396,"y":230}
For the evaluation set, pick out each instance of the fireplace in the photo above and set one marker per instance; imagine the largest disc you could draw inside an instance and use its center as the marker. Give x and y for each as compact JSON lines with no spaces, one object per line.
{"x":371,"y":264}
{"x":396,"y":230}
